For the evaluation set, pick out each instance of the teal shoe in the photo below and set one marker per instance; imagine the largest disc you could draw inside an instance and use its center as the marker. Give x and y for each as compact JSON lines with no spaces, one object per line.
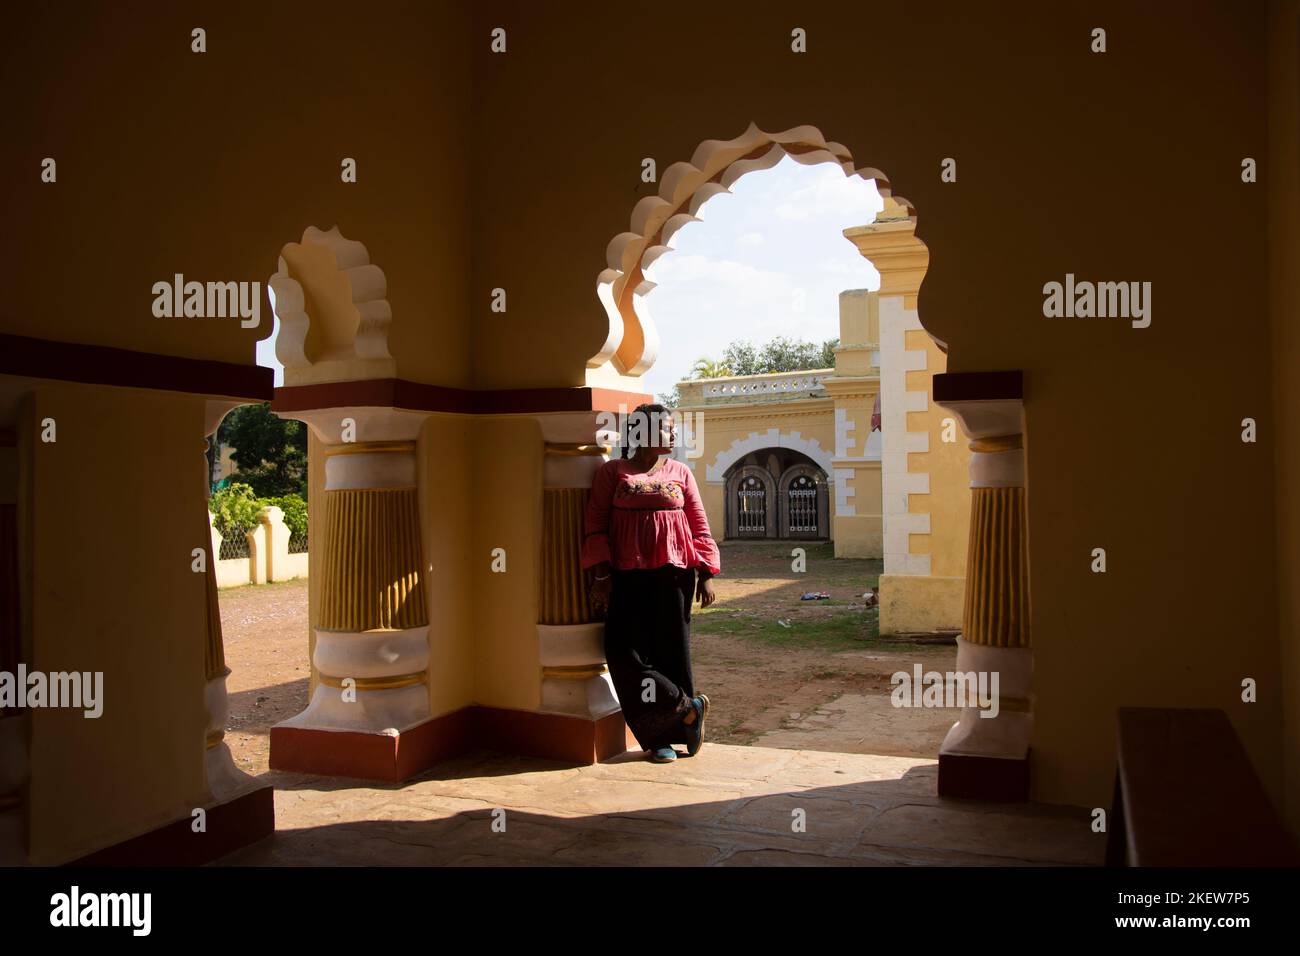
{"x":695,"y":730}
{"x":663,"y":755}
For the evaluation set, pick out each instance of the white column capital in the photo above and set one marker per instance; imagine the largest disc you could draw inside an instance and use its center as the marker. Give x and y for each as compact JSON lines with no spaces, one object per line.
{"x":995,"y":428}
{"x":989,"y":418}
{"x":370,"y":423}
{"x":575,"y":444}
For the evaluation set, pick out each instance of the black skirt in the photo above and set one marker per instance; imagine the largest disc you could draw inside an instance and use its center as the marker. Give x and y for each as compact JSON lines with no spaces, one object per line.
{"x":647,"y":648}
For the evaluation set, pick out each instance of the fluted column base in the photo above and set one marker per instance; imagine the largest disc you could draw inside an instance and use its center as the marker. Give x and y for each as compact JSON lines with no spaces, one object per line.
{"x":987,"y":758}
{"x":579,"y":717}
{"x":225,"y":780}
{"x":371,"y":692}
{"x":575,"y":679}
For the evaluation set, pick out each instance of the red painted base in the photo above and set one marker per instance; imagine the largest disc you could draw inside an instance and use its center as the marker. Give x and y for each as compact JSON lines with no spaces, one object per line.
{"x":984,"y":778}
{"x":399,"y":757}
{"x":550,"y":736}
{"x":230,"y":826}
{"x":391,"y":757}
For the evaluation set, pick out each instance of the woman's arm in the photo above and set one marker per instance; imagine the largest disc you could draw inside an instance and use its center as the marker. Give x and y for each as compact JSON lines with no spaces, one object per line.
{"x":595,"y":543}
{"x":706,"y":549}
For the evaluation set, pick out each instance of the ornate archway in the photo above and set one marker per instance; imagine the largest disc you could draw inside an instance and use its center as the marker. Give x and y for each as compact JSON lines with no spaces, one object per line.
{"x":632,"y":343}
{"x":979,"y":757}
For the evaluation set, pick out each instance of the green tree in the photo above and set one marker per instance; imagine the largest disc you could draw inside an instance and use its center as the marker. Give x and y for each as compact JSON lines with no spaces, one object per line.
{"x":741,"y":358}
{"x":784,"y":355}
{"x":779,"y":355}
{"x":270,"y":452}
{"x":827,"y":359}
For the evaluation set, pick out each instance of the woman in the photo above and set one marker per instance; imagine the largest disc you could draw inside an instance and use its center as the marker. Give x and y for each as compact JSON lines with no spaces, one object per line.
{"x":647,"y":536}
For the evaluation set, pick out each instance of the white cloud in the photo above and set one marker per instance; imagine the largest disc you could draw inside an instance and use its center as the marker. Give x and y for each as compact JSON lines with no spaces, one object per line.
{"x":733,"y":276}
{"x":830,"y":194}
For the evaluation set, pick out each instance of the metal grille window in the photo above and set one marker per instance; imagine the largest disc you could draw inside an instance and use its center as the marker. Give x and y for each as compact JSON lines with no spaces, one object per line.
{"x":234,"y":544}
{"x":751,"y":510}
{"x":298,"y":544}
{"x":802,"y":499}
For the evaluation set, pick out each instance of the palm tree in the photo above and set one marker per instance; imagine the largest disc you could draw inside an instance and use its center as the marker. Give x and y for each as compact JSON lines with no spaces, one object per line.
{"x":709,"y":368}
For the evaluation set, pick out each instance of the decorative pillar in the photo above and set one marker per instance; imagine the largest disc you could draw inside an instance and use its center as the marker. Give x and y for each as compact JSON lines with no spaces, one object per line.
{"x":923,"y":490}
{"x":14,"y":765}
{"x":225,"y":781}
{"x":988,"y":757}
{"x":369,"y":713}
{"x":370,"y":655}
{"x":570,"y":636}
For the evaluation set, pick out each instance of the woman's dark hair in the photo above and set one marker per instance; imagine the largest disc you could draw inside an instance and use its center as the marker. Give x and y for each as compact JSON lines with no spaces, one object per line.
{"x":651,"y":414}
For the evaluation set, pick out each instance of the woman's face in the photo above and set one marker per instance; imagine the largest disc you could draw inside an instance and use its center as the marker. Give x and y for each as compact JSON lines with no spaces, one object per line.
{"x":667,"y":435}
{"x":643,"y":429}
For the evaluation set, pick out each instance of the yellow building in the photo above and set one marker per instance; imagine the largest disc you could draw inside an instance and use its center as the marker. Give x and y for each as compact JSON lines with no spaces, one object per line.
{"x":795,"y":455}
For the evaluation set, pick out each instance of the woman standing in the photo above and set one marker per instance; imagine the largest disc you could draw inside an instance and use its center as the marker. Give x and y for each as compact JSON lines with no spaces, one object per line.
{"x":646,"y":536}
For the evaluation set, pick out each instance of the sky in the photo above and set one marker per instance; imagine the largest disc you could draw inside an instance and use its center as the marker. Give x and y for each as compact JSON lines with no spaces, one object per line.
{"x":766,"y":259}
{"x":266,"y":349}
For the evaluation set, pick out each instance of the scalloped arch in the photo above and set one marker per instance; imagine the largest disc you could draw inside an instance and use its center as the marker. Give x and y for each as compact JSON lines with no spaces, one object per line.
{"x":332,"y":303}
{"x":632,"y":344}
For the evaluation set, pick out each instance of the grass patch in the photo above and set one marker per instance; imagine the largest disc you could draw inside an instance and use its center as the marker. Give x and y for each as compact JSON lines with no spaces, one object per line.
{"x":851,"y":629}
{"x":840,"y":631}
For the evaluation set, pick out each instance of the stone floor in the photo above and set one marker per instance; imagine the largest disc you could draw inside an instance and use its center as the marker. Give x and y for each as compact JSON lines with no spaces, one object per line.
{"x":855,"y":724}
{"x":726,"y":806}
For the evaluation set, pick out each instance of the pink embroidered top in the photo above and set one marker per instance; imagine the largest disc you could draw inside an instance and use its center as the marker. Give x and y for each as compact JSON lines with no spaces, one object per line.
{"x":646,"y":519}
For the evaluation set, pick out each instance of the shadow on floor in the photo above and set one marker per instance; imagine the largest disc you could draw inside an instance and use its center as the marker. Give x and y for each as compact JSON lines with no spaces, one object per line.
{"x":726,"y":806}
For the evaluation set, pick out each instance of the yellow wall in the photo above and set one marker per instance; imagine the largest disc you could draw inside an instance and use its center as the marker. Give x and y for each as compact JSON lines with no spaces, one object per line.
{"x":212,"y":170}
{"x":948,"y":464}
{"x":136,"y":613}
{"x":715,"y":504}
{"x":448,"y":501}
{"x":507,"y":472}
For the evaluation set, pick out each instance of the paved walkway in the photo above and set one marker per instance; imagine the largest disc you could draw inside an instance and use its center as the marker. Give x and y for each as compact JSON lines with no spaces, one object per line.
{"x":726,"y":806}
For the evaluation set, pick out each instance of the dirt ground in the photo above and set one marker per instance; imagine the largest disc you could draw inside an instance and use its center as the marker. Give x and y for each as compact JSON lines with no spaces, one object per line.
{"x":810,"y":675}
{"x":779,"y":672}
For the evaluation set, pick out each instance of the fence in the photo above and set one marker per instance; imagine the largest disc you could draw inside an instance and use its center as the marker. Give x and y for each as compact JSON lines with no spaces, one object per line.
{"x":266,"y":552}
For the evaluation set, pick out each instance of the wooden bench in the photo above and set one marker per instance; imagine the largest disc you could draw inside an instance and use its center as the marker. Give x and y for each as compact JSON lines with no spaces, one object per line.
{"x":1187,"y":795}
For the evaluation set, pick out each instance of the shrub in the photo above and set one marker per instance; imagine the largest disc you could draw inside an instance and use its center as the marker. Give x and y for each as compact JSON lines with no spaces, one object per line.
{"x":234,"y":509}
{"x":295,"y":513}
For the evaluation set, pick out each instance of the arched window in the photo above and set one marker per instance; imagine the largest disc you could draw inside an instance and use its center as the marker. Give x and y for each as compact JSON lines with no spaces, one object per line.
{"x":802,"y":504}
